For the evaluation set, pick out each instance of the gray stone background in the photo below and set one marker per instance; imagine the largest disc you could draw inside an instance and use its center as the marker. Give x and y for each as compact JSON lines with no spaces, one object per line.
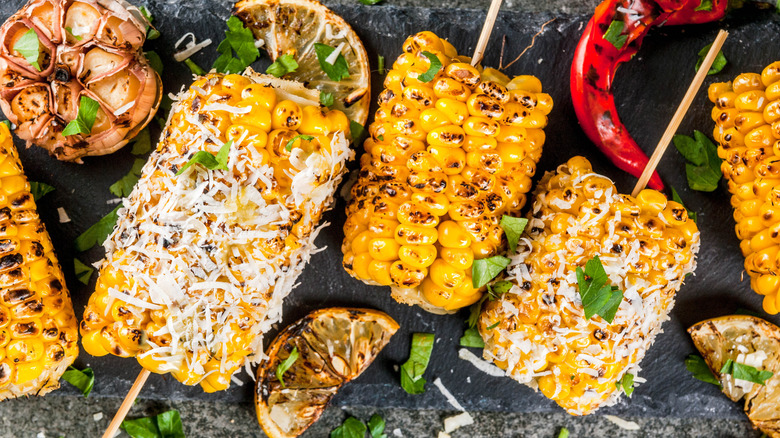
{"x":75,"y":416}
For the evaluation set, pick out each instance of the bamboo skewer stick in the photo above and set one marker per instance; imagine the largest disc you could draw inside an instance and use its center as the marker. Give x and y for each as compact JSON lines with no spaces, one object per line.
{"x":127,"y":403}
{"x":487,"y":29}
{"x":698,"y":80}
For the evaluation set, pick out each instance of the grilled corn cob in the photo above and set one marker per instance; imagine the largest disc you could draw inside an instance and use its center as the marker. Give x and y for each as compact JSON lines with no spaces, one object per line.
{"x":445,"y":160}
{"x":747,"y":128}
{"x":198,"y":264}
{"x":38,"y":329}
{"x":537,"y":331}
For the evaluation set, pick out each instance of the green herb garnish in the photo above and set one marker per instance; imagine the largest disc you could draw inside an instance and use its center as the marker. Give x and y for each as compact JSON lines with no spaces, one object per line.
{"x":290,"y":143}
{"x":513,"y":229}
{"x":85,"y":119}
{"x":498,"y":288}
{"x":326,"y":99}
{"x":165,"y":425}
{"x":339,"y":69}
{"x":705,"y":5}
{"x":376,"y":426}
{"x":283,"y":65}
{"x":194,"y":68}
{"x":432,"y":70}
{"x":70,"y":31}
{"x":209,"y":160}
{"x":356,"y":131}
{"x":151,"y":32}
{"x":29,"y":46}
{"x":717,"y":65}
{"x":370,"y":2}
{"x":83,"y":272}
{"x":698,"y":367}
{"x":484,"y":270}
{"x":746,"y":372}
{"x":492,"y":326}
{"x":84,"y":379}
{"x":614,"y":34}
{"x":124,"y":186}
{"x":142,"y":143}
{"x":285,"y":365}
{"x":598,"y":298}
{"x":676,"y":198}
{"x":564,"y":433}
{"x":471,"y":338}
{"x":703,"y":166}
{"x":97,"y":233}
{"x":381,"y":63}
{"x":39,"y":189}
{"x":240,"y":40}
{"x":350,"y":428}
{"x":154,"y":61}
{"x":626,"y":384}
{"x":412,"y":370}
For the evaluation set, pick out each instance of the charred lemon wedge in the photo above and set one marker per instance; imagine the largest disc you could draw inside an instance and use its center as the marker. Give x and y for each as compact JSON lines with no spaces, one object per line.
{"x":293,"y":27}
{"x":750,"y":341}
{"x":332,"y":346}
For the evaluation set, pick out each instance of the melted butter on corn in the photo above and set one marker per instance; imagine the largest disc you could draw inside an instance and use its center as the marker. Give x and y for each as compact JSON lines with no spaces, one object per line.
{"x":747,"y":128}
{"x":444,"y":161}
{"x":198,"y":264}
{"x":38,"y":329}
{"x":541,"y":337}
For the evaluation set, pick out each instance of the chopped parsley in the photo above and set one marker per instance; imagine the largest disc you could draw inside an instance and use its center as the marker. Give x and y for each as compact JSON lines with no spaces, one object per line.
{"x":83,"y":272}
{"x":598,"y":298}
{"x":151,"y":32}
{"x":498,"y":288}
{"x":283,"y":65}
{"x":513,"y":229}
{"x":350,"y":428}
{"x":29,"y":46}
{"x":39,"y":189}
{"x":154,"y":61}
{"x":703,"y":164}
{"x":676,"y":198}
{"x":484,"y":270}
{"x":165,"y":425}
{"x":381,"y":63}
{"x":564,"y":433}
{"x":626,"y":384}
{"x":142,"y":143}
{"x":717,"y":65}
{"x":432,"y":70}
{"x":614,"y":34}
{"x":97,"y":233}
{"x":746,"y":372}
{"x":412,"y":370}
{"x":240,"y":40}
{"x":376,"y":426}
{"x":339,"y":69}
{"x":698,"y":367}
{"x":85,"y":119}
{"x":290,"y":143}
{"x":84,"y":379}
{"x":285,"y":365}
{"x":124,"y":186}
{"x":194,"y":68}
{"x":356,"y":130}
{"x":370,"y":2}
{"x":326,"y":99}
{"x":209,"y":160}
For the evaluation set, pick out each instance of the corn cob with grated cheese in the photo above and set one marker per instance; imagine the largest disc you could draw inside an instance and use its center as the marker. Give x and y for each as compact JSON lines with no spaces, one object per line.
{"x":38,"y":329}
{"x":198,"y":264}
{"x":537,"y":331}
{"x":747,"y":127}
{"x":445,"y":160}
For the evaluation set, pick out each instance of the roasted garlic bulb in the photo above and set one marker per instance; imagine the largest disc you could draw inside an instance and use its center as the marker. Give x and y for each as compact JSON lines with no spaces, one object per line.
{"x":77,"y":61}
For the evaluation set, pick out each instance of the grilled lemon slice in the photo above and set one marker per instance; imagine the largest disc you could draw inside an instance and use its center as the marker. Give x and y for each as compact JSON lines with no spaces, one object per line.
{"x":334,"y":346}
{"x":750,"y":341}
{"x":292,"y":27}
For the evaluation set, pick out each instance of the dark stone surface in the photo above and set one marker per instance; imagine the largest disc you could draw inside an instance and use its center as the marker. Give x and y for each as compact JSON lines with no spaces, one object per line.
{"x":648,"y":91}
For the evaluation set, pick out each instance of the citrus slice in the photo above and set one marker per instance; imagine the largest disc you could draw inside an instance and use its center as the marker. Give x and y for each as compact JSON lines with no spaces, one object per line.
{"x":750,"y":341}
{"x":292,"y":27}
{"x":333,"y":346}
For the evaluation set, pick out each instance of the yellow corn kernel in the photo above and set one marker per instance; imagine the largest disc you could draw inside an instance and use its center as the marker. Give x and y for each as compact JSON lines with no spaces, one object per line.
{"x":383,"y":249}
{"x":527,"y":83}
{"x":452,"y":235}
{"x":417,"y":256}
{"x":264,"y":96}
{"x":286,"y":115}
{"x":415,"y":235}
{"x":446,"y":276}
{"x":747,"y":82}
{"x":452,"y":160}
{"x":481,"y":126}
{"x":433,"y":118}
{"x":456,"y":111}
{"x":380,"y":272}
{"x":458,"y":258}
{"x":314,"y":122}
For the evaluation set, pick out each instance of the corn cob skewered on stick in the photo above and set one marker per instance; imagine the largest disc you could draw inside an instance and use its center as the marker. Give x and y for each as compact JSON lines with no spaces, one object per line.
{"x":38,"y":329}
{"x":445,"y":160}
{"x":747,"y":128}
{"x":538,"y":331}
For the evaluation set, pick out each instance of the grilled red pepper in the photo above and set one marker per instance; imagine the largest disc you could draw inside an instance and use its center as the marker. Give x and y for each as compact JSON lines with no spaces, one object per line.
{"x":612,"y":37}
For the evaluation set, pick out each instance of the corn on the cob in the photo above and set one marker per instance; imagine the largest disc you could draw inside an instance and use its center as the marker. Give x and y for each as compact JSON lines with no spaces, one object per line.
{"x":747,"y":128}
{"x":445,"y":160}
{"x":537,"y":331}
{"x":198,"y":264}
{"x":38,"y":329}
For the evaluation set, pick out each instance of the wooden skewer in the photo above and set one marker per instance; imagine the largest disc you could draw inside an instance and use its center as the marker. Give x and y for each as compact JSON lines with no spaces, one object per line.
{"x":127,"y":403}
{"x":698,"y":80}
{"x":487,"y":29}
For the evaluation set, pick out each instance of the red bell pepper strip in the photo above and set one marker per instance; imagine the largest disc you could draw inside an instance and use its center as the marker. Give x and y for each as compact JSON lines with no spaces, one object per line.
{"x":602,"y":49}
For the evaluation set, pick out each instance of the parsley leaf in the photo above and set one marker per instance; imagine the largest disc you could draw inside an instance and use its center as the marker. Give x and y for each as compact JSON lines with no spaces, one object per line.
{"x":676,"y":198}
{"x":151,"y":32}
{"x":513,"y":229}
{"x":29,"y":46}
{"x":717,"y":65}
{"x":209,"y":160}
{"x":484,"y":270}
{"x":39,"y":189}
{"x":614,"y":34}
{"x":283,"y":65}
{"x":124,"y":186}
{"x":492,"y":326}
{"x":432,"y":70}
{"x":70,"y":31}
{"x":338,"y":70}
{"x":194,"y":68}
{"x":376,"y":426}
{"x":97,"y":233}
{"x":626,"y":384}
{"x":498,"y":288}
{"x":165,"y":425}
{"x":240,"y":40}
{"x":356,"y":130}
{"x":746,"y":372}
{"x":412,"y":370}
{"x":370,"y":2}
{"x":471,"y":338}
{"x":705,"y":5}
{"x":564,"y":433}
{"x":698,"y":367}
{"x":285,"y":365}
{"x":142,"y":143}
{"x":703,"y":166}
{"x":154,"y":61}
{"x":85,"y":119}
{"x":598,"y":298}
{"x":290,"y":143}
{"x":351,"y":428}
{"x":84,"y":379}
{"x":83,"y":272}
{"x":326,"y":99}
{"x":381,"y":63}
{"x":474,"y":312}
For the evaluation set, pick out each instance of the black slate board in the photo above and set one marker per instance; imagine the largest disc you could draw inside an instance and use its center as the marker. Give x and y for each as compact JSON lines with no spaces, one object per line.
{"x":648,"y":91}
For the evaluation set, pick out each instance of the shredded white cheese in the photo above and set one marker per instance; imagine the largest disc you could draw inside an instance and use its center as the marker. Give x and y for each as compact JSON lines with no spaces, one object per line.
{"x":448,"y":395}
{"x":455,"y":422}
{"x":621,"y":423}
{"x":482,"y":365}
{"x":192,"y":47}
{"x":64,"y":218}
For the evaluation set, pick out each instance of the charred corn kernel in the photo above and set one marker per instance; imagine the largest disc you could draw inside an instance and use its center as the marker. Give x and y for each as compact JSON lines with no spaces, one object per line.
{"x":274,"y":199}
{"x":380,"y":272}
{"x":36,"y":315}
{"x":573,"y":360}
{"x":433,"y":170}
{"x":746,"y":110}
